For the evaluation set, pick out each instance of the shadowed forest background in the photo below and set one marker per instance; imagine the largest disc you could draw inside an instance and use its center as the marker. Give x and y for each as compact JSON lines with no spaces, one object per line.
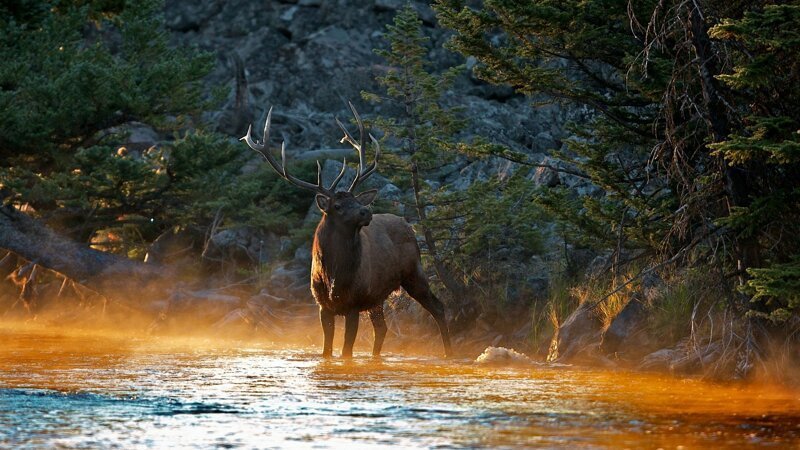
{"x":602,"y":181}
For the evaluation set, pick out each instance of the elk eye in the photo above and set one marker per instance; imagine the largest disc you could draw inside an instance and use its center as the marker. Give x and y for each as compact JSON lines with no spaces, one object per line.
{"x":337,"y":206}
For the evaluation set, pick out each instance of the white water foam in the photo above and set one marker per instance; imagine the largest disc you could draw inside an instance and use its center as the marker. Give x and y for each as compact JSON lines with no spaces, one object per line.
{"x":501,"y":356}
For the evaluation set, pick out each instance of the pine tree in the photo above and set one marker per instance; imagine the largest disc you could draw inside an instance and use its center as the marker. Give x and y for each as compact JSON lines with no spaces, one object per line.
{"x":72,"y":76}
{"x":474,"y":238}
{"x":579,"y":53}
{"x":423,"y":126}
{"x":693,"y":142}
{"x":765,"y":56}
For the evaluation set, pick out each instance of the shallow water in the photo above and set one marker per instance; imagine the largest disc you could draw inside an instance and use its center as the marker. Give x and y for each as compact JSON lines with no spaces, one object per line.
{"x":101,"y":392}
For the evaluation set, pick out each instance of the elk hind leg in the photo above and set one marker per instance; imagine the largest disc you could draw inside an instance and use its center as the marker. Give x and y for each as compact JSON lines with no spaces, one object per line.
{"x":417,"y":287}
{"x":379,"y":328}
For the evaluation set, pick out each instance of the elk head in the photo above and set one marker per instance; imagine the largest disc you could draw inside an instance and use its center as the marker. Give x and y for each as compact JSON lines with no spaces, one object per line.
{"x":344,"y":208}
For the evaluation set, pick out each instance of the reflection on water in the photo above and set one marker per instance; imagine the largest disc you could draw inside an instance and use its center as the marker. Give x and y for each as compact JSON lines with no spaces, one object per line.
{"x":94,"y":391}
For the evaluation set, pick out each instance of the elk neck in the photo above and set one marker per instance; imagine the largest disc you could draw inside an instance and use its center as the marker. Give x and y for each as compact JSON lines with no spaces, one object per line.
{"x":338,"y":249}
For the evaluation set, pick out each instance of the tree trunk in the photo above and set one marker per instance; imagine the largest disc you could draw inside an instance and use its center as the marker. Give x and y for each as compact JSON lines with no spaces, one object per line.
{"x":456,"y":288}
{"x":110,"y":275}
{"x":736,"y":183}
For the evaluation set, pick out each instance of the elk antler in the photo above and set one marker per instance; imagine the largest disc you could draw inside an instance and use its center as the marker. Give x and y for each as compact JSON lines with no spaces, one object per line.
{"x":360,"y":146}
{"x":263,"y":149}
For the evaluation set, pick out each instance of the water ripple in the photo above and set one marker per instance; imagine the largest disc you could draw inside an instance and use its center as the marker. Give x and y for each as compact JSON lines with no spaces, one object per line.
{"x":75,"y":392}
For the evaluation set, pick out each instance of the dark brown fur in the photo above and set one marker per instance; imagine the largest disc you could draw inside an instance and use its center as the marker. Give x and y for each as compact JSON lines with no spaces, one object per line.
{"x":358,"y":262}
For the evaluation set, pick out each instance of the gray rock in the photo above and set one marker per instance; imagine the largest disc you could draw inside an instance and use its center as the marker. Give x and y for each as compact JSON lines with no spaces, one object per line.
{"x":392,"y":195}
{"x":243,"y":244}
{"x":578,"y":337}
{"x":652,"y":287}
{"x":332,"y":168}
{"x":302,"y":255}
{"x":185,"y":15}
{"x":203,"y":307}
{"x":139,"y":138}
{"x":626,"y":335}
{"x":291,"y":281}
{"x":547,"y":176}
{"x":389,"y":5}
{"x":477,"y":171}
{"x":288,"y":15}
{"x":659,"y":360}
{"x":599,"y":266}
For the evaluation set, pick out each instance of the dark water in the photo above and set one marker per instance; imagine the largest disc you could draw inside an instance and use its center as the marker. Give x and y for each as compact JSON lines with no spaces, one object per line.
{"x":100,"y":392}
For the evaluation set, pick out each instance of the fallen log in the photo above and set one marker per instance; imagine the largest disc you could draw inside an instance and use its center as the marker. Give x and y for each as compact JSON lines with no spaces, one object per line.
{"x":110,"y":275}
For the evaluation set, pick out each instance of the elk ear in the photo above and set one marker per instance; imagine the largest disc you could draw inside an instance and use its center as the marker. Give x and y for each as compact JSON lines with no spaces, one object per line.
{"x":322,"y":202}
{"x":367,"y":197}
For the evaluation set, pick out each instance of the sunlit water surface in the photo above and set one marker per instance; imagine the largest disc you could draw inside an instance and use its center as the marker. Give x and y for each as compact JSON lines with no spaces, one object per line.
{"x":100,"y":392}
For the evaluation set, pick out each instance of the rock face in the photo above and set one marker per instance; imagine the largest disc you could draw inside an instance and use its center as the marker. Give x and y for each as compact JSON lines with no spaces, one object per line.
{"x":307,"y":58}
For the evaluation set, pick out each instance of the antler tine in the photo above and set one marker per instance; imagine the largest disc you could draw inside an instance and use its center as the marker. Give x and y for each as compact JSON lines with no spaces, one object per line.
{"x":263,"y":150}
{"x":360,"y":147}
{"x":374,"y":166}
{"x":347,"y":138}
{"x":361,"y":136}
{"x":339,"y":177}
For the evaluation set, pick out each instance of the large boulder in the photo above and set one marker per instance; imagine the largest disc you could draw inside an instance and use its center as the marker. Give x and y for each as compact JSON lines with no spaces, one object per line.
{"x":291,"y":280}
{"x":626,"y":336}
{"x":244,"y":245}
{"x":578,"y":338}
{"x":547,"y":175}
{"x":174,"y":246}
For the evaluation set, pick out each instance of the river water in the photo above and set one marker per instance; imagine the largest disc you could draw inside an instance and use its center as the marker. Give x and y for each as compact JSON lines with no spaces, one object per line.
{"x":94,"y":391}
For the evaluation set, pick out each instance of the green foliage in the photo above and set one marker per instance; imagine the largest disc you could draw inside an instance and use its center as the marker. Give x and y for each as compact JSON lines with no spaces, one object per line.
{"x":779,"y":287}
{"x":489,"y":229}
{"x":419,"y":134}
{"x":73,"y":77}
{"x":547,"y":316}
{"x":423,"y":125}
{"x":670,"y":316}
{"x":476,"y":237}
{"x":691,"y":144}
{"x":579,"y":52}
{"x":64,"y":77}
{"x":765,"y":75}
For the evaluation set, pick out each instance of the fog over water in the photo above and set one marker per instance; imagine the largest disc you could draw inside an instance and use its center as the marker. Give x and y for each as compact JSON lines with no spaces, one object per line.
{"x":90,"y":391}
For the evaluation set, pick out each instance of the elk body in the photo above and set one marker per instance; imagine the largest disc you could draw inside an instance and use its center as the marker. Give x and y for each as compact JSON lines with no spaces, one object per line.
{"x":358,"y":258}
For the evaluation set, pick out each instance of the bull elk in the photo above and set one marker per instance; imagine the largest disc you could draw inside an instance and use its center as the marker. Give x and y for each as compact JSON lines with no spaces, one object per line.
{"x":358,"y":258}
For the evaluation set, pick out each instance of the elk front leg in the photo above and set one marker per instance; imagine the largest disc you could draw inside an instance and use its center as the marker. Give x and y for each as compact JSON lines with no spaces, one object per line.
{"x":350,"y":331}
{"x":379,"y":327}
{"x":328,"y":320}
